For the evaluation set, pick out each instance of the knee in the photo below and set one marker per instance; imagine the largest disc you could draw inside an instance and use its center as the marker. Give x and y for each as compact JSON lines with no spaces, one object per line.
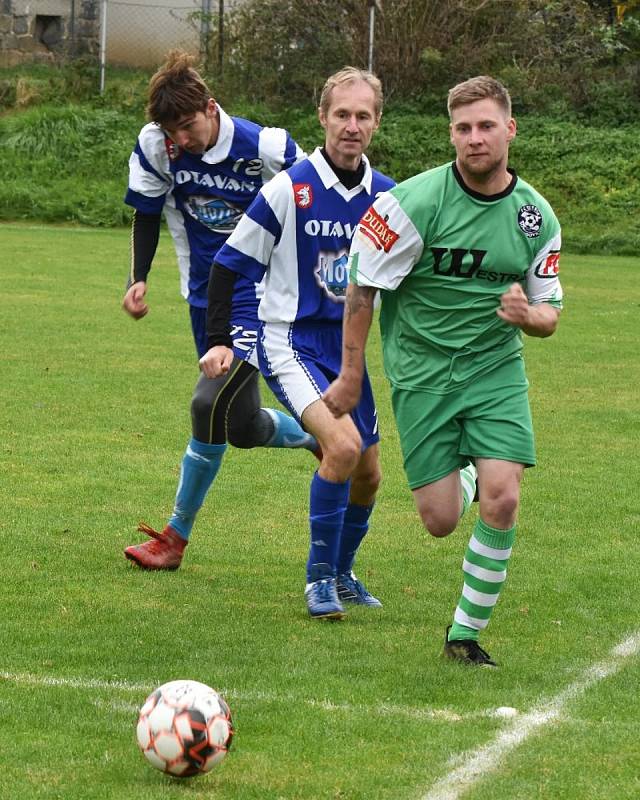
{"x":205,"y":426}
{"x":500,"y":507}
{"x":239,"y":436}
{"x":200,"y":407}
{"x":248,"y":430}
{"x":366,"y":482}
{"x":374,"y":479}
{"x":343,"y":453}
{"x":439,"y":522}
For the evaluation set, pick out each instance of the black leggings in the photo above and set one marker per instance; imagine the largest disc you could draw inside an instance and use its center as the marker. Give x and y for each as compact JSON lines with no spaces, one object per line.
{"x":228,"y":409}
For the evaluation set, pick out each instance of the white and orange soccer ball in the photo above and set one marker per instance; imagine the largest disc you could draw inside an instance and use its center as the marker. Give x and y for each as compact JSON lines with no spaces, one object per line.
{"x":184,"y":728}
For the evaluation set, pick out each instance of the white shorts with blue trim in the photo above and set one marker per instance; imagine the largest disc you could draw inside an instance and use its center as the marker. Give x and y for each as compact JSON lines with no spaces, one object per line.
{"x":299,"y":360}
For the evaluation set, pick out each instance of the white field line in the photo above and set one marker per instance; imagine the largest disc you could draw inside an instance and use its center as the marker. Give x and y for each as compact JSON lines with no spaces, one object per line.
{"x":28,"y":679}
{"x":475,"y":765}
{"x":383,"y":709}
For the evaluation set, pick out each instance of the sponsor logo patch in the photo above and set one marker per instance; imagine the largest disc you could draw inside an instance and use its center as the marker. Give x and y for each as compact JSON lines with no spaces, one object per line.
{"x":214,"y":213}
{"x":550,"y":267}
{"x":332,"y":274}
{"x":375,"y":228}
{"x":303,"y":195}
{"x":530,"y":221}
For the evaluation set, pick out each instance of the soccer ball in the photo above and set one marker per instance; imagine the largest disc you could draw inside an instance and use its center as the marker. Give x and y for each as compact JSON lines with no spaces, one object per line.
{"x":184,"y":728}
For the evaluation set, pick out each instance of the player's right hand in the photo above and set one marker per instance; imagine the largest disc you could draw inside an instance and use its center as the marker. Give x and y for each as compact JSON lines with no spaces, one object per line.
{"x":342,"y":396}
{"x":216,"y":361}
{"x":133,"y":302}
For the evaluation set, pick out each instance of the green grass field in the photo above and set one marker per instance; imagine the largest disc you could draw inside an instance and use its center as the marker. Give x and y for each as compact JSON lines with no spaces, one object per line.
{"x":95,"y":417}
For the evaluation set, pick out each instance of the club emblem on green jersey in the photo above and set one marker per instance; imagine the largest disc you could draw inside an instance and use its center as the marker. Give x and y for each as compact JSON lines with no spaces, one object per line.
{"x":530,"y":220}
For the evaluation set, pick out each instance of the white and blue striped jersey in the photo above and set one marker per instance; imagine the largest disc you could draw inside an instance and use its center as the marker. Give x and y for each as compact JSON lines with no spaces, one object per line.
{"x":296,"y":236}
{"x":204,"y":196}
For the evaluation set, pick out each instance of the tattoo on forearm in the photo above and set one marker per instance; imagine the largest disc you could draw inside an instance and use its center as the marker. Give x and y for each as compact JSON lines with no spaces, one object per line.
{"x":353,"y":355}
{"x":358,"y":298}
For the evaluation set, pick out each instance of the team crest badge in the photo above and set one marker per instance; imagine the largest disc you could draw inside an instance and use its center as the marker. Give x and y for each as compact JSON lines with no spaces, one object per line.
{"x":173,"y":150}
{"x":303,"y":195}
{"x":530,"y":221}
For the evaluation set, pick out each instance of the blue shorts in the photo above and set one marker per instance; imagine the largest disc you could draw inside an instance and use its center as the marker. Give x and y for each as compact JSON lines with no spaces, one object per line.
{"x":299,"y":360}
{"x":244,"y":333}
{"x":199,"y":328}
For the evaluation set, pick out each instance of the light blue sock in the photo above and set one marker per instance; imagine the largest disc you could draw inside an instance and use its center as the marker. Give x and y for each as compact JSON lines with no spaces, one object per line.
{"x":200,"y":466}
{"x":327,"y":506}
{"x":354,"y":529}
{"x":287,"y":432}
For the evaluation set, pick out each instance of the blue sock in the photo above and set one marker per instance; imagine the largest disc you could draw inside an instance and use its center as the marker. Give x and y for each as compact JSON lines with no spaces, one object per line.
{"x":200,"y":466}
{"x":327,"y":506}
{"x":287,"y":432}
{"x":354,"y":529}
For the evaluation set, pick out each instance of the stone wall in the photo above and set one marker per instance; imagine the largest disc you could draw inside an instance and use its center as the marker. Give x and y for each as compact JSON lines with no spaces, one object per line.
{"x":47,"y":30}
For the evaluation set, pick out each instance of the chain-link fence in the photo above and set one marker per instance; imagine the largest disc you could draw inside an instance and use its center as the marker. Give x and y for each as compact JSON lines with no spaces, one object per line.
{"x":272,"y":50}
{"x":139,"y":33}
{"x":130,"y":33}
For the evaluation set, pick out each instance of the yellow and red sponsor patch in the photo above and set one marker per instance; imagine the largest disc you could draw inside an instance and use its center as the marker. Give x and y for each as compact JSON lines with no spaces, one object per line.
{"x":376,"y":228}
{"x":550,"y":267}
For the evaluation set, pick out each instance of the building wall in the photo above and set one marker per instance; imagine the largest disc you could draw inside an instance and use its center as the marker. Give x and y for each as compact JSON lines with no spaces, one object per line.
{"x":43,"y":30}
{"x":138,"y":32}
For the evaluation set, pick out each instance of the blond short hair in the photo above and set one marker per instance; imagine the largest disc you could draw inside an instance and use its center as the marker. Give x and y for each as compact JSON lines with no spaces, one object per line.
{"x":176,"y":90}
{"x":479,"y":88}
{"x":350,"y":75}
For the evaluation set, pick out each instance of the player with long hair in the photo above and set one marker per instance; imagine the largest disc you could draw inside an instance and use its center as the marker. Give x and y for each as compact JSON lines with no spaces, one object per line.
{"x":203,"y":168}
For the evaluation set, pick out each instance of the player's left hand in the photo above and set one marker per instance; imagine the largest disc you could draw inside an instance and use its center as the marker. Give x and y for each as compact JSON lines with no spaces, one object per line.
{"x":514,"y":306}
{"x":342,"y":396}
{"x":216,"y":361}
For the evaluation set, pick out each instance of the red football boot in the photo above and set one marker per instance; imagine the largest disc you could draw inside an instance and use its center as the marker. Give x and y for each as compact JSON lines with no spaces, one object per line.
{"x":164,"y":551}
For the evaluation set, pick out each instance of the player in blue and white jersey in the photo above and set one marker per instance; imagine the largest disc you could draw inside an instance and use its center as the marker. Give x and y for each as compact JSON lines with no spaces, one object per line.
{"x":296,"y":237}
{"x":203,"y":168}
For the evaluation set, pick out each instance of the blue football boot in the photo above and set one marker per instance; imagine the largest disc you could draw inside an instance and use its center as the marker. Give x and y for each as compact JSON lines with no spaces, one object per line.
{"x":351,"y":590}
{"x":321,"y":595}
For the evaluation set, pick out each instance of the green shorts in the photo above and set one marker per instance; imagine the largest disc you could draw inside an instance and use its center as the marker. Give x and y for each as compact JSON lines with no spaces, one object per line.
{"x":487,"y":418}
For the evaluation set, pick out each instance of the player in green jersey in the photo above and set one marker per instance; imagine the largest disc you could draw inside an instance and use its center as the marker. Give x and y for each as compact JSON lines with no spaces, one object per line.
{"x":466,"y":257}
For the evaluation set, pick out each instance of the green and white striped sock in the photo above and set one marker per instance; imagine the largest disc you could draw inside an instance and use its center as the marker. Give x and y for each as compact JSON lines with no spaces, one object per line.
{"x":468,"y":479}
{"x":485,"y":571}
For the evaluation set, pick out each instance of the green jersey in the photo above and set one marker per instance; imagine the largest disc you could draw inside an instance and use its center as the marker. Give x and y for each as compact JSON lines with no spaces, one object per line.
{"x":442,"y":256}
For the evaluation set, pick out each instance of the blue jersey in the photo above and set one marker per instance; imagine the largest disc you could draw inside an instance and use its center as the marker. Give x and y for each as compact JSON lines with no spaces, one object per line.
{"x":205,"y":195}
{"x":296,"y":235}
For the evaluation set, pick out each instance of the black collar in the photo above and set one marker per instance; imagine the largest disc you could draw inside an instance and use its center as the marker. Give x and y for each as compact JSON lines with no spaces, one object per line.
{"x":486,"y":198}
{"x":348,"y":178}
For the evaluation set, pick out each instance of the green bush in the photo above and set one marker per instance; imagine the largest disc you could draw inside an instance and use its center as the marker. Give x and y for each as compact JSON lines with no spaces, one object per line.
{"x":69,"y":162}
{"x":565,"y":57}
